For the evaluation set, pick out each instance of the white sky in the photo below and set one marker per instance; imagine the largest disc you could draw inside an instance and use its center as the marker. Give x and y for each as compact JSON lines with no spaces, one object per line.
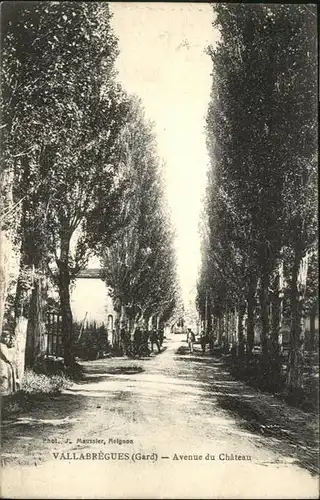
{"x":162,"y":60}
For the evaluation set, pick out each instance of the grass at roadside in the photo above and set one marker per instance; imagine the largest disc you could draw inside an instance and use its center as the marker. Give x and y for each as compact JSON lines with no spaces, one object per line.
{"x":261,"y":377}
{"x":40,"y":383}
{"x":47,"y":379}
{"x":33,"y":386}
{"x":271,"y":414}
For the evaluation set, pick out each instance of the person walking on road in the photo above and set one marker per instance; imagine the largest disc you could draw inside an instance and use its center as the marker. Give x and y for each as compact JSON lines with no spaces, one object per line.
{"x":125,"y":339}
{"x":203,"y":341}
{"x":154,"y":339}
{"x":137,"y":338}
{"x":190,"y":339}
{"x":161,"y":336}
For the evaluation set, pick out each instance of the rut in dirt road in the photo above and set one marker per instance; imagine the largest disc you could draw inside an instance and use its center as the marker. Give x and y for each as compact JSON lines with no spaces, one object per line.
{"x":174,"y":407}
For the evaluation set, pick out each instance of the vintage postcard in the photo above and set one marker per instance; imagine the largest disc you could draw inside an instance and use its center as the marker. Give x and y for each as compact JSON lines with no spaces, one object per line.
{"x":158,"y":250}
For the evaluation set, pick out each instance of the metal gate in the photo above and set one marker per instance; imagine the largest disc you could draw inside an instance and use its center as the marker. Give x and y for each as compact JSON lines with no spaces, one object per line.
{"x":54,"y":332}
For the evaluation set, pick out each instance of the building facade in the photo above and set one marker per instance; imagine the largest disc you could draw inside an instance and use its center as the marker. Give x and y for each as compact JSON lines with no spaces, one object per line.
{"x":91,"y":301}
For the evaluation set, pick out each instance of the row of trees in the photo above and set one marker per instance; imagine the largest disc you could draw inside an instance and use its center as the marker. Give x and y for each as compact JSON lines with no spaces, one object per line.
{"x":259,"y":226}
{"x":69,"y":185}
{"x":140,"y":265}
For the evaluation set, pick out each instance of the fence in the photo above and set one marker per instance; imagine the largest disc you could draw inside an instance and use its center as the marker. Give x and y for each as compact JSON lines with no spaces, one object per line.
{"x":54,"y":334}
{"x":90,"y":340}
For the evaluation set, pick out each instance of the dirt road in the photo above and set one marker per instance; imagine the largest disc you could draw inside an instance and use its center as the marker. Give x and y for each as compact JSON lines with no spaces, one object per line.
{"x":171,"y":426}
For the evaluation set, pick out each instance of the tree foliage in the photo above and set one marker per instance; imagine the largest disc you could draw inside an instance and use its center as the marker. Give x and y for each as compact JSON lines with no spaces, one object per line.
{"x":62,"y":114}
{"x":261,"y":192}
{"x":140,"y":265}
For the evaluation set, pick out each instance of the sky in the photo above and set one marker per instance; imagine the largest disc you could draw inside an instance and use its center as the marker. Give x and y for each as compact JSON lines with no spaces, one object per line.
{"x":162,"y":59}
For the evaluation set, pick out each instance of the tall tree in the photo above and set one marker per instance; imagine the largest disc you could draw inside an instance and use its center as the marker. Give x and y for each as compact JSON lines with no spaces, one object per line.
{"x":262,"y":158}
{"x":66,"y":122}
{"x":139,"y":266}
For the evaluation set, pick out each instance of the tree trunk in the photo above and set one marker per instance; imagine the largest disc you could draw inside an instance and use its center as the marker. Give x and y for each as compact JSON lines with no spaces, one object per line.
{"x":226,"y":330}
{"x":215,"y":328}
{"x":294,"y":380}
{"x":27,"y":320}
{"x":150,"y":322}
{"x":251,"y":312}
{"x":116,"y":328}
{"x":147,"y":319}
{"x":276,"y":321}
{"x":22,"y":307}
{"x":312,"y":334}
{"x":65,"y":303}
{"x":221,"y":332}
{"x":122,"y":320}
{"x":264,"y":305}
{"x":35,"y":344}
{"x":8,"y":229}
{"x":4,"y":272}
{"x":241,"y":339}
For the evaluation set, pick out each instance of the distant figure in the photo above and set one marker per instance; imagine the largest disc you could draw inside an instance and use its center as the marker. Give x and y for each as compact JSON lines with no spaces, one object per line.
{"x":224,"y":341}
{"x":161,"y":336}
{"x":145,"y":336}
{"x":211,"y":340}
{"x":154,"y":339}
{"x":125,"y":339}
{"x":190,"y":339}
{"x":137,"y":337}
{"x":143,"y":349}
{"x":203,"y":341}
{"x":114,"y":337}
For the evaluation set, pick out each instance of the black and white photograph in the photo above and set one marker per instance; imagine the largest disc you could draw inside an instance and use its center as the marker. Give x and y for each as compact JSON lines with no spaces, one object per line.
{"x":159,"y":304}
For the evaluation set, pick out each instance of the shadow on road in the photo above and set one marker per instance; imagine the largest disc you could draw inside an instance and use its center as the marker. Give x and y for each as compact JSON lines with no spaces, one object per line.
{"x":290,"y":431}
{"x":41,"y":416}
{"x":119,"y":386}
{"x":252,"y":414}
{"x":95,"y":374}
